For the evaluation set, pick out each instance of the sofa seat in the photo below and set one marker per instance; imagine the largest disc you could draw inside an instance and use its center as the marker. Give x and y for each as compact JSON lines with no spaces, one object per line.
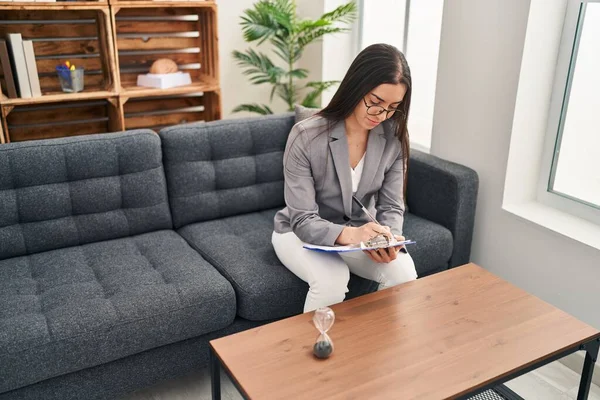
{"x":434,"y":245}
{"x":240,"y":248}
{"x":69,"y":309}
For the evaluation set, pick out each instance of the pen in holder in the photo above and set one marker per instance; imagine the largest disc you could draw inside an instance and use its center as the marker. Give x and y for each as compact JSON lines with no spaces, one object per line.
{"x":71,"y":79}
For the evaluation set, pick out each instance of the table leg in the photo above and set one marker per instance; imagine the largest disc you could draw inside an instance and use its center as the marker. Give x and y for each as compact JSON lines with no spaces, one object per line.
{"x":215,"y":375}
{"x":591,"y":355}
{"x":505,"y":392}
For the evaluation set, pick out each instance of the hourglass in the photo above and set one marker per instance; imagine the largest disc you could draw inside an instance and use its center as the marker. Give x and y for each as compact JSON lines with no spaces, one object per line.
{"x":323,"y":320}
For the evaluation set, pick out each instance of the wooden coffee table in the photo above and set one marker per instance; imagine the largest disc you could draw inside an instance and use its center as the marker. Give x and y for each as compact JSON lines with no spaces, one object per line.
{"x":450,"y":335}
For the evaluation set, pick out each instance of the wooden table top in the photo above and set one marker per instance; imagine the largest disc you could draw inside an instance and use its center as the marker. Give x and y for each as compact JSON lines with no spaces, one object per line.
{"x":434,"y":338}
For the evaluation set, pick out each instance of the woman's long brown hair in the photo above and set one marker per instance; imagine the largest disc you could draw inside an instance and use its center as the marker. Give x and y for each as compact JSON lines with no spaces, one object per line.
{"x":374,"y":66}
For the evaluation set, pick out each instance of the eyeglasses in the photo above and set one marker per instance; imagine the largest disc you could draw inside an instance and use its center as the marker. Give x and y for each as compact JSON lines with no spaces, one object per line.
{"x":378,"y":110}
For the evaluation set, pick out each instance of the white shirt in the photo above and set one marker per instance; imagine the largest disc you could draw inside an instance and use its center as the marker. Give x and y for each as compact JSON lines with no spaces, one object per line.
{"x":356,"y":173}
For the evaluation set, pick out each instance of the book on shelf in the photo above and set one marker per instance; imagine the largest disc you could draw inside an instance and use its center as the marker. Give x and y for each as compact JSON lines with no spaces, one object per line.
{"x":32,"y":72}
{"x":19,"y":66}
{"x":11,"y":89}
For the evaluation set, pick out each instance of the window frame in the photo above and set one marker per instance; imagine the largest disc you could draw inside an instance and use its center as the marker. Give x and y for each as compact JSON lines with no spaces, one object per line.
{"x":567,"y":57}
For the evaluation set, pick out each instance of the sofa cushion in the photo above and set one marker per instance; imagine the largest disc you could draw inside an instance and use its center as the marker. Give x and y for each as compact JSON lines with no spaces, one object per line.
{"x":71,"y":191}
{"x":301,"y":113}
{"x":73,"y":308}
{"x":240,"y":248}
{"x":434,"y":245}
{"x":225,"y":168}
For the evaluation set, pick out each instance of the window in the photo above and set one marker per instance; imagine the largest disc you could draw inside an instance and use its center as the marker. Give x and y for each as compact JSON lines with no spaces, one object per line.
{"x":570,"y":179}
{"x":414,"y":27}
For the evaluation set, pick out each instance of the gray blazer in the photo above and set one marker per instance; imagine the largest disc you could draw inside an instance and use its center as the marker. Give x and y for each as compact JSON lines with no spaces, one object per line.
{"x":318,"y":184}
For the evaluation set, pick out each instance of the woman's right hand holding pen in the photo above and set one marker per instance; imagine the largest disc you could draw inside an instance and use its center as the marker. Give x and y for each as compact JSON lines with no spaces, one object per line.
{"x":356,"y":235}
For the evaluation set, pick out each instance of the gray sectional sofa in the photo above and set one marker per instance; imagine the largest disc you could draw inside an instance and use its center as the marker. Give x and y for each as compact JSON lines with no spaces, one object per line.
{"x":122,"y":255}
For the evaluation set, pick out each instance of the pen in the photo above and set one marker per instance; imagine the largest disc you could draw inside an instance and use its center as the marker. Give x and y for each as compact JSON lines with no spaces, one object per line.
{"x":368,"y":214}
{"x":364,"y":209}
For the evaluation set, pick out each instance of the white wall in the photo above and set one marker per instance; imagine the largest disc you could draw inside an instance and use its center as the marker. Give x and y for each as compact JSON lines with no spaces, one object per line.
{"x":425,"y":21}
{"x":422,"y":50}
{"x":479,"y":63}
{"x":383,"y":27}
{"x":339,"y":51}
{"x":312,"y":56}
{"x":235,"y":87}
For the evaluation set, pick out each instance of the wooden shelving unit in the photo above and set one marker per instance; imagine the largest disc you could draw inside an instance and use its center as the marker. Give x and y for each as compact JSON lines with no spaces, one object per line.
{"x":62,"y":5}
{"x":56,"y":97}
{"x":114,"y":41}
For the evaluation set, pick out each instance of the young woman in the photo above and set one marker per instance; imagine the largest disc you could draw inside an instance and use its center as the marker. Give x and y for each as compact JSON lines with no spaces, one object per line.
{"x":357,"y":146}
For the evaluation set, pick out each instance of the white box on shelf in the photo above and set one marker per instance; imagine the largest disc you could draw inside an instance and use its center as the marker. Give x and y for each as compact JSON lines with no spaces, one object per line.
{"x":164,"y":81}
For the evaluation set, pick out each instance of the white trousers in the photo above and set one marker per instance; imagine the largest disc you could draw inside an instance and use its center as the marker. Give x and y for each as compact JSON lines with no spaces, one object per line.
{"x":328,"y":274}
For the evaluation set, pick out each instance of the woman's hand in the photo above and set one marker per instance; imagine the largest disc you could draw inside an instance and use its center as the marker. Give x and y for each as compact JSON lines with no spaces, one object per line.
{"x":356,"y":235}
{"x":385,"y":255}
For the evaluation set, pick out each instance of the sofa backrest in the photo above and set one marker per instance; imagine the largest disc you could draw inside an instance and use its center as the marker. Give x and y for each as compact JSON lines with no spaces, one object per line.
{"x":226,"y":167}
{"x":70,"y":191}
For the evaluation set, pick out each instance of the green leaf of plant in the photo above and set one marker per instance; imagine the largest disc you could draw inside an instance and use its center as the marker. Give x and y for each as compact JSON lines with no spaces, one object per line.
{"x":273,"y":92}
{"x":258,"y":23}
{"x":310,"y":100}
{"x":308,"y":25}
{"x":281,"y":48}
{"x":259,"y":67}
{"x":345,"y":13}
{"x":310,"y":36}
{"x":299,"y":73}
{"x":310,"y":31}
{"x":255,"y":108}
{"x":288,"y":94}
{"x":283,"y":12}
{"x":269,"y":18}
{"x":321,"y":84}
{"x":287,"y":7}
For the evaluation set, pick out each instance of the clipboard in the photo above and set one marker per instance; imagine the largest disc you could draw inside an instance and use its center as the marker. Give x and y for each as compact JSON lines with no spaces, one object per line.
{"x":352,"y":247}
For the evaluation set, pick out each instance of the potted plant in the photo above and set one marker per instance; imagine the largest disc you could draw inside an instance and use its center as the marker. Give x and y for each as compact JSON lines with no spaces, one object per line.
{"x":276,"y":22}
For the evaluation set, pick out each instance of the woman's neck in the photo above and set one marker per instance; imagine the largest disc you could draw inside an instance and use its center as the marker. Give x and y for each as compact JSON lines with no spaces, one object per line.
{"x":353,"y":128}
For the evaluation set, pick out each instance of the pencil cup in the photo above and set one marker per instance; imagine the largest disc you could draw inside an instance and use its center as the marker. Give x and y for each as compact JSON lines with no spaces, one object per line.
{"x":70,"y":80}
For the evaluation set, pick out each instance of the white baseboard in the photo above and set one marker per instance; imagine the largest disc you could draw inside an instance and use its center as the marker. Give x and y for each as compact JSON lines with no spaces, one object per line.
{"x":575,"y":362}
